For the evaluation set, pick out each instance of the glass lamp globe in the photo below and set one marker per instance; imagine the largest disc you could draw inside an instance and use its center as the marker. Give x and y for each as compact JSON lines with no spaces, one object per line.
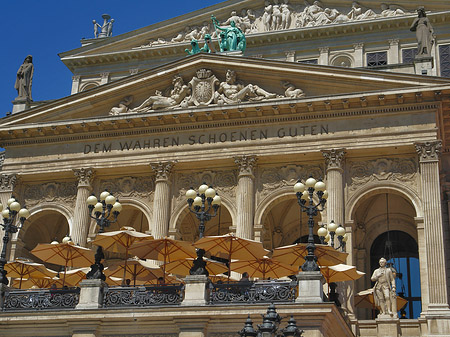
{"x":310,"y":182}
{"x":217,"y":200}
{"x":91,"y":200}
{"x":305,"y":195}
{"x":197,"y":201}
{"x":117,"y":207}
{"x":210,"y":192}
{"x":110,"y":199}
{"x":191,"y":194}
{"x":345,"y":238}
{"x":322,"y":231}
{"x":5,"y":213}
{"x":24,"y":213}
{"x":1,"y":207}
{"x":327,"y":238}
{"x":340,"y":231}
{"x":332,"y":226}
{"x":10,"y":201}
{"x":299,"y":187}
{"x":325,"y":195}
{"x":98,"y":207}
{"x":103,"y":195}
{"x":203,"y":187}
{"x":320,"y":186}
{"x":15,"y":206}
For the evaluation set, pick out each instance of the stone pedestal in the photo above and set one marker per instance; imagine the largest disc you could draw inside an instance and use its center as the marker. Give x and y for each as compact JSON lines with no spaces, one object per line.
{"x":388,"y":327}
{"x":310,"y":287}
{"x":91,"y":294}
{"x":195,"y":292}
{"x":20,"y":105}
{"x":423,"y":66}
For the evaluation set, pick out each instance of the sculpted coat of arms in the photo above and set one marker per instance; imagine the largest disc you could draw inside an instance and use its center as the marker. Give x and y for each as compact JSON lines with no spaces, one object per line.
{"x":203,"y":87}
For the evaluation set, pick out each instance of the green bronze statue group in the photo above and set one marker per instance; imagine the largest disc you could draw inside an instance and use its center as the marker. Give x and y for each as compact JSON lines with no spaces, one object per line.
{"x":231,"y":38}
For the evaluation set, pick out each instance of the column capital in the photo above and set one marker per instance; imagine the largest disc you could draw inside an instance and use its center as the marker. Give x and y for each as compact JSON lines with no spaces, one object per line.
{"x":429,"y":151}
{"x":163,"y":169}
{"x":246,"y":165}
{"x":84,"y":176}
{"x":104,"y":75}
{"x":359,"y":45}
{"x":393,"y":42}
{"x":8,"y":182}
{"x":76,"y":78}
{"x":324,"y":50}
{"x":290,"y":53}
{"x":334,"y":158}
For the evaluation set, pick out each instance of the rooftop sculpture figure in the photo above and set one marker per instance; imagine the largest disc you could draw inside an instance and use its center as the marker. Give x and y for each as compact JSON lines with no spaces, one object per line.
{"x":24,"y":79}
{"x":231,"y":38}
{"x":424,"y":34}
{"x":105,"y":29}
{"x":196,"y":48}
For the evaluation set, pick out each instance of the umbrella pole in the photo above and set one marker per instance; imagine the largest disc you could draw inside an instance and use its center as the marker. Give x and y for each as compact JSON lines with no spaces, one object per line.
{"x":125,"y":267}
{"x":65,"y":270}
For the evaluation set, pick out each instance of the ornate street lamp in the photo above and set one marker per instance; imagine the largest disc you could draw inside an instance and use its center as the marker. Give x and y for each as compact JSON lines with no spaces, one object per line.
{"x":327,"y":234}
{"x":202,"y":203}
{"x":269,"y":327}
{"x":105,"y":213}
{"x":9,"y":214}
{"x":305,"y":197}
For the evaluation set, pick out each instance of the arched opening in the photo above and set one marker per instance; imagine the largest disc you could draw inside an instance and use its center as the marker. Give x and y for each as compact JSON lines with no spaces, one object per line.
{"x":402,"y":253}
{"x":130,"y":216}
{"x":285,"y":224}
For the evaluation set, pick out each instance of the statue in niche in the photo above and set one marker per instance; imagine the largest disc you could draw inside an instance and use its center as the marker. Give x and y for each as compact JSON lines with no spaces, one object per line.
{"x":231,"y":38}
{"x":123,"y":106}
{"x":424,"y":34}
{"x":105,"y":29}
{"x":357,"y":13}
{"x":158,"y":101}
{"x":291,"y":91}
{"x":24,"y":79}
{"x":232,"y":91}
{"x":384,"y":291}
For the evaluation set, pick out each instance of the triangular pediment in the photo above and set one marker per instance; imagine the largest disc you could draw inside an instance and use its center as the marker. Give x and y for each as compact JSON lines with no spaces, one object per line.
{"x":259,"y":83}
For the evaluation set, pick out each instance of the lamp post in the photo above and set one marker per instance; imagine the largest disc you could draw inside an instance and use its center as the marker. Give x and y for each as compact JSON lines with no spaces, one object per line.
{"x":305,"y":197}
{"x":105,"y":213}
{"x":202,"y":203}
{"x":269,"y":327}
{"x":9,"y":214}
{"x":328,"y":233}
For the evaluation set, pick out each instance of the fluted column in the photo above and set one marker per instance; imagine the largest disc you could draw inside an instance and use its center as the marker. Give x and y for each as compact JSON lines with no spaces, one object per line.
{"x":434,"y":242}
{"x":81,"y":219}
{"x":245,"y":196}
{"x":7,"y":184}
{"x":161,"y":202}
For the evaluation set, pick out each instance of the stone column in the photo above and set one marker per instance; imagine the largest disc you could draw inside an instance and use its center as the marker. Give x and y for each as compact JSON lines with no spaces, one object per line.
{"x":434,"y":242}
{"x":245,"y":196}
{"x":359,"y":54}
{"x":324,"y":56}
{"x":81,"y":219}
{"x":75,"y":84}
{"x":161,"y":203}
{"x":7,"y":184}
{"x":393,"y":52}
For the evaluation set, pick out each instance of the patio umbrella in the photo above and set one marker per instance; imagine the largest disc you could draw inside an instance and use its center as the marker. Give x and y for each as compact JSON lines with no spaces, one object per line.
{"x":65,"y":254}
{"x":120,"y":241}
{"x":41,"y":283}
{"x":295,"y":255}
{"x":75,"y":276}
{"x":20,"y":268}
{"x":165,"y":249}
{"x":182,"y":267}
{"x":263,"y":268}
{"x":230,"y":247}
{"x":135,"y":269}
{"x":340,"y":272}
{"x":364,"y":299}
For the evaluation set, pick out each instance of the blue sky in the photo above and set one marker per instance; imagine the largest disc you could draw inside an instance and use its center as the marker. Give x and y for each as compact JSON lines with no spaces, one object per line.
{"x":44,"y":28}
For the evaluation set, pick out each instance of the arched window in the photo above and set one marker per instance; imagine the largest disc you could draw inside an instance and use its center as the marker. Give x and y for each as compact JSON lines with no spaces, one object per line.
{"x":402,"y":252}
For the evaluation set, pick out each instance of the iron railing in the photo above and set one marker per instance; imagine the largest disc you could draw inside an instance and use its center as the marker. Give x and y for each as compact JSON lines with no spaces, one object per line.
{"x":42,"y":299}
{"x":253,"y":292}
{"x":143,"y":296}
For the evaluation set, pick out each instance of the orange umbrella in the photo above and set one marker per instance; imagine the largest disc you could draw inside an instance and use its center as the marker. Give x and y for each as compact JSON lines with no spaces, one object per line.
{"x":182,"y":267}
{"x":264,"y":267}
{"x":165,"y":249}
{"x":65,"y":254}
{"x":135,"y":270}
{"x":20,"y":268}
{"x":295,"y":255}
{"x":364,"y":299}
{"x":340,"y":273}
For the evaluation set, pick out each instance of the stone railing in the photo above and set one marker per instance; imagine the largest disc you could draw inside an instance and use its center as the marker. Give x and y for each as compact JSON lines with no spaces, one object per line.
{"x":142,"y":296}
{"x":253,"y":292}
{"x":32,"y":300}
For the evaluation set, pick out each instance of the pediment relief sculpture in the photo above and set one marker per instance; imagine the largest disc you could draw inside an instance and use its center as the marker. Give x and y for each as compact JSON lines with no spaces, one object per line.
{"x":280,"y":15}
{"x":205,"y":89}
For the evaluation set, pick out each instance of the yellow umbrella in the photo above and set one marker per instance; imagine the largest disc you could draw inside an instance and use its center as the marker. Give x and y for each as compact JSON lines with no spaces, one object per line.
{"x":135,"y":270}
{"x":21,"y":268}
{"x":264,"y":267}
{"x":165,"y":250}
{"x":364,"y":299}
{"x":120,"y":241}
{"x":65,"y":254}
{"x":340,"y":272}
{"x":40,"y":283}
{"x":182,"y":267}
{"x":295,"y":255}
{"x":75,"y":276}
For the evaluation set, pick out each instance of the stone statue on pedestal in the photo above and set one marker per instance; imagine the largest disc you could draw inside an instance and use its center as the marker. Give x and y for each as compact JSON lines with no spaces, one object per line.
{"x":424,"y":34}
{"x":105,"y":29}
{"x":231,"y":38}
{"x":24,"y":79}
{"x":384,"y":291}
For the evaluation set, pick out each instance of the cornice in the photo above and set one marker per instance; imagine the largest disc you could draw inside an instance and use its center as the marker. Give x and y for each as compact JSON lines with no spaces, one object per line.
{"x":256,"y":39}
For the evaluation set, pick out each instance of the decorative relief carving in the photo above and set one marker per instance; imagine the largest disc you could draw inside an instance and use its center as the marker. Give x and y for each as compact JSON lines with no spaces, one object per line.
{"x":61,"y":192}
{"x":8,"y":182}
{"x":162,"y":170}
{"x":84,"y":176}
{"x":395,"y":169}
{"x":134,"y":187}
{"x":271,"y":179}
{"x":334,"y":158}
{"x":429,"y":151}
{"x":246,"y":165}
{"x":224,"y":182}
{"x":280,"y":15}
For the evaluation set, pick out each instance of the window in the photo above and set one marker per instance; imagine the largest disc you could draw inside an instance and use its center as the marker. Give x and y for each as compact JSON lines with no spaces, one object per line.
{"x":444,"y":56}
{"x":377,"y":59}
{"x":310,"y":61}
{"x":408,"y":55}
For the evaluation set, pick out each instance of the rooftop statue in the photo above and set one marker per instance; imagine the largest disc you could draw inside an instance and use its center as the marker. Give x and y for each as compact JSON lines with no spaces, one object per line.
{"x":196,"y":48}
{"x":24,"y":79}
{"x":231,"y":38}
{"x":105,"y":29}
{"x":424,"y":34}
